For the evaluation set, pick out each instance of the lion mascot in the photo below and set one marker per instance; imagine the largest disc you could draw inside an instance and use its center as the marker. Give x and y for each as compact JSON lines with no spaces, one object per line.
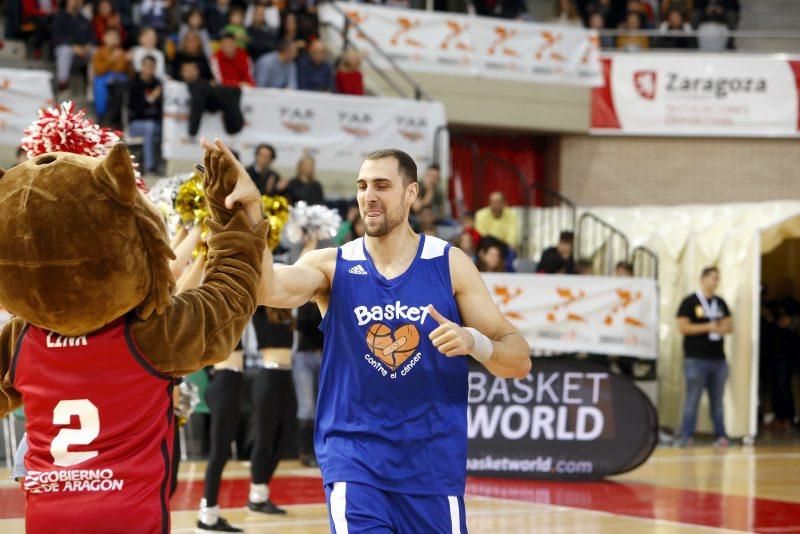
{"x":98,"y":336}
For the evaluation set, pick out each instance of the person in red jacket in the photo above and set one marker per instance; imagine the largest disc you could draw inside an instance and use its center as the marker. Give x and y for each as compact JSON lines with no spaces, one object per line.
{"x":231,"y":65}
{"x":349,"y":80}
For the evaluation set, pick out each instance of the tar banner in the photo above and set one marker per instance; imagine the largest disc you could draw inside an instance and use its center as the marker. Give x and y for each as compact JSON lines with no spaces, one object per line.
{"x":595,"y":314}
{"x":338,"y":130}
{"x":567,"y":420}
{"x":23,"y":93}
{"x":468,"y":45}
{"x":698,"y":95}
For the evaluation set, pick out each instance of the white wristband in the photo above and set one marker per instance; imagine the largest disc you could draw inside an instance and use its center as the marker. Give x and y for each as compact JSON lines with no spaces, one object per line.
{"x":482,"y":348}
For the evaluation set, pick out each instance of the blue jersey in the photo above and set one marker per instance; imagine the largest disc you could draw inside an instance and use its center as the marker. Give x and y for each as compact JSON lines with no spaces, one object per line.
{"x":392,"y":410}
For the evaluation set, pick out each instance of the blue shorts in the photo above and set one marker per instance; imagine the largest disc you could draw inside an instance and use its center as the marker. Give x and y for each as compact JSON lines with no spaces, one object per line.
{"x":355,"y":508}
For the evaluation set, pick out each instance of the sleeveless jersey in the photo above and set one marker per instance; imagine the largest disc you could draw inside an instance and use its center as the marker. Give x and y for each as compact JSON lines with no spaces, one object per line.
{"x":99,"y":422}
{"x":392,"y":410}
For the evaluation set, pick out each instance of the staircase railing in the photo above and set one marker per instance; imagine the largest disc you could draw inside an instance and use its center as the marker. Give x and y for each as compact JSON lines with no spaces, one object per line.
{"x":601,"y":243}
{"x":417,"y":92}
{"x":645,"y":262}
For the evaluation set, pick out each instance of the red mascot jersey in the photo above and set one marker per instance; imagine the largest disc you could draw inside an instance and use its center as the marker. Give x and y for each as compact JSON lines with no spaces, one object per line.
{"x":99,"y":422}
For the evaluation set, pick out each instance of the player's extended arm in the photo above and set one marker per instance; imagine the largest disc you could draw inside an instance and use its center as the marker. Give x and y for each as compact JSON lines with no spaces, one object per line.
{"x":291,"y":286}
{"x":510,"y":353}
{"x":10,"y":399}
{"x":201,"y":326}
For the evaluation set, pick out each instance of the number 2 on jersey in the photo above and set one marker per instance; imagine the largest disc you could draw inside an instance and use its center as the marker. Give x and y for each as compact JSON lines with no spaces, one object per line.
{"x":89,"y":419}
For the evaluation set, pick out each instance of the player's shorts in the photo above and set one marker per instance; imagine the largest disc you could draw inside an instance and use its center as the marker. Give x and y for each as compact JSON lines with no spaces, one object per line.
{"x":354,"y":508}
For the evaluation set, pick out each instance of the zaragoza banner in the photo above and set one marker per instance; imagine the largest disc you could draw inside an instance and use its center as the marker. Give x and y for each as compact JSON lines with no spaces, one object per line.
{"x":595,"y":314}
{"x":468,"y":45}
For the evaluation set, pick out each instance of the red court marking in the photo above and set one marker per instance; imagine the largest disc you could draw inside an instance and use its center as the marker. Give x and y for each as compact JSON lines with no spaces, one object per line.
{"x":649,"y":502}
{"x":626,"y":499}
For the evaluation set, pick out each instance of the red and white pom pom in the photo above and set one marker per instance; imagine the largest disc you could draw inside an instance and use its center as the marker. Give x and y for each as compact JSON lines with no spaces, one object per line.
{"x":61,"y":129}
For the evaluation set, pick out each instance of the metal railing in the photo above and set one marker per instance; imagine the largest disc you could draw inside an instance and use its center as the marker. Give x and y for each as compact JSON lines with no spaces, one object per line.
{"x":645,"y":262}
{"x":601,"y":243}
{"x":659,"y":40}
{"x":417,"y":92}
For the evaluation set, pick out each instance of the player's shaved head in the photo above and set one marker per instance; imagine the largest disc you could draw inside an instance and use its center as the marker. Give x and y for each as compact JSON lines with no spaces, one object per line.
{"x":406,"y":167}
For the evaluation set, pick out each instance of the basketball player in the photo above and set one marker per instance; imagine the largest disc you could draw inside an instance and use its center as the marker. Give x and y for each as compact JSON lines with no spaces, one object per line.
{"x":391,"y":426}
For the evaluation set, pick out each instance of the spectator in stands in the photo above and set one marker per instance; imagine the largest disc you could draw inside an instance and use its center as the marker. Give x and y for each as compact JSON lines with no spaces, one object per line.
{"x":277,"y":69}
{"x":267,"y":180}
{"x":106,"y":17}
{"x":498,"y":220}
{"x":598,"y":22}
{"x":564,"y":251}
{"x":347,"y":224}
{"x":349,"y":79}
{"x":430,"y":194}
{"x":34,"y":18}
{"x":195,"y":22}
{"x":72,"y":40}
{"x":729,"y":12}
{"x":206,"y":97}
{"x":467,"y":244}
{"x":644,"y":9}
{"x":631,"y":41}
{"x":262,"y":38}
{"x":235,"y":27}
{"x":357,"y":229}
{"x":426,"y":221}
{"x":566,"y":13}
{"x":111,"y":70}
{"x":676,"y":23}
{"x":191,"y":51}
{"x":305,"y":186}
{"x":491,"y":257}
{"x":467,"y":222}
{"x":289,"y":32}
{"x":153,"y":14}
{"x":703,"y":319}
{"x":231,"y":65}
{"x":148,"y":46}
{"x":686,"y":7}
{"x":314,"y":71}
{"x":624,"y":269}
{"x":145,"y":111}
{"x":305,"y":14}
{"x":584,"y":267}
{"x":713,"y":32}
{"x":217,"y":17}
{"x":506,"y":9}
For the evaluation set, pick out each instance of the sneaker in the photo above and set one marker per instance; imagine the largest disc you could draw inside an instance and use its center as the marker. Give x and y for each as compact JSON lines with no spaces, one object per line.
{"x":722,"y":443}
{"x":684,"y":442}
{"x":220,"y":526}
{"x":267,"y":507}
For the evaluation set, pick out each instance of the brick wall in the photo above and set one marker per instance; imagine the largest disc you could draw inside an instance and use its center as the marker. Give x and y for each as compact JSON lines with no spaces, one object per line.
{"x":625,"y":171}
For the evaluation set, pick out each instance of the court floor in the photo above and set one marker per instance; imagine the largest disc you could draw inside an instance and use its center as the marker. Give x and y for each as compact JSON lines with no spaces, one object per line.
{"x":700,"y":489}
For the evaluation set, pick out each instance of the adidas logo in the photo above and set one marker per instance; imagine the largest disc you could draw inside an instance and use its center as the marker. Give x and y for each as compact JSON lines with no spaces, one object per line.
{"x":358,"y":269}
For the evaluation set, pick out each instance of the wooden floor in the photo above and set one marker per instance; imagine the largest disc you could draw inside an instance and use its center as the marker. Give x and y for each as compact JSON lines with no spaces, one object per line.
{"x":700,"y":489}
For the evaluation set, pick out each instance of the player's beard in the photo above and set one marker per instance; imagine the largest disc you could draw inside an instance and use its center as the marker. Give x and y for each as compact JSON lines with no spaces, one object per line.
{"x":389,"y":222}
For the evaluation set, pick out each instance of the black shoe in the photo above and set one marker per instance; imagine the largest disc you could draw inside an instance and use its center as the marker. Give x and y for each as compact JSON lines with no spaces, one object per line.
{"x":267,"y":507}
{"x":220,"y":526}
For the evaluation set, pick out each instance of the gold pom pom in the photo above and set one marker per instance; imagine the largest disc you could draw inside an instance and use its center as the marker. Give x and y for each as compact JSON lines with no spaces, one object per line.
{"x":190,"y":205}
{"x":276,"y":210}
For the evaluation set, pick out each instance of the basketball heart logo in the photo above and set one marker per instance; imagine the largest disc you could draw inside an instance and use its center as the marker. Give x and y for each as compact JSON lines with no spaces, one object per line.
{"x":392,"y":348}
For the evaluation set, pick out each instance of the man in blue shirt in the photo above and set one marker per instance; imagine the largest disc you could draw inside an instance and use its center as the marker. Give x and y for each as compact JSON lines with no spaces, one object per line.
{"x":391,"y":425}
{"x":277,"y":69}
{"x":314,"y":71}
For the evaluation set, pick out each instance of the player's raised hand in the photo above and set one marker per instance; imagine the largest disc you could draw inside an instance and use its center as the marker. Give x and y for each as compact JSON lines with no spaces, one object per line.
{"x":449,"y":338}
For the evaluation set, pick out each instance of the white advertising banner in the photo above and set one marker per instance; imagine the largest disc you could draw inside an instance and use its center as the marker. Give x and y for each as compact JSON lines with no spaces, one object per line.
{"x":697,"y":94}
{"x":469,"y":45}
{"x":594,"y":314}
{"x":23,"y":93}
{"x":338,"y":130}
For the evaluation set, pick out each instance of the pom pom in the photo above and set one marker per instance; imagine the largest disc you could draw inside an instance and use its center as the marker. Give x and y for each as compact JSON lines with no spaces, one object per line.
{"x":190,"y":205}
{"x":316,"y":221}
{"x":163,"y":196}
{"x":276,"y":210}
{"x":61,"y":129}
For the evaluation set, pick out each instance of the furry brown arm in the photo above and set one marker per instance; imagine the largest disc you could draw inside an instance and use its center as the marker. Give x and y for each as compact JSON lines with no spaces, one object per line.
{"x":202,"y":326}
{"x":10,"y":399}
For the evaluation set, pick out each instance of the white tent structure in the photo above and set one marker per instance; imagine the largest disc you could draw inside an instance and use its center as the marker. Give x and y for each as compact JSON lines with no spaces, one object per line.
{"x":732,"y":237}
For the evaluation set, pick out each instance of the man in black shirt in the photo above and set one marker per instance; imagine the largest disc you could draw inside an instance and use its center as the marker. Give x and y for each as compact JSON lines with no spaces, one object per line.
{"x":703,"y":319}
{"x":306,"y":363}
{"x":145,"y":111}
{"x":268,"y":181}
